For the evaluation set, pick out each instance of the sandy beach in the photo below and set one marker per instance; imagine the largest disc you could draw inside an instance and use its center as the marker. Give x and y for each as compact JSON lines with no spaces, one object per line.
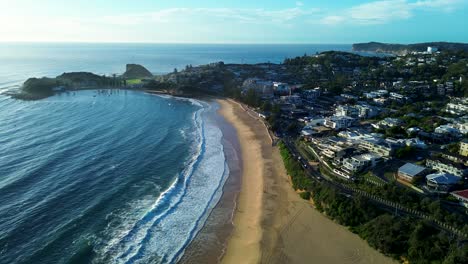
{"x":272,"y":224}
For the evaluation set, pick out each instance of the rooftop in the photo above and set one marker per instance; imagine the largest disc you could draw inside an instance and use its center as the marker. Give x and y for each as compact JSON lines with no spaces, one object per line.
{"x":462,"y":193}
{"x":366,"y":157}
{"x":411,"y":169}
{"x":443,"y":178}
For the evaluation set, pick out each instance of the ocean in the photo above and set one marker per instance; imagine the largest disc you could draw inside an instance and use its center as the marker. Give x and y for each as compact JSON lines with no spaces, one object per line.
{"x":111,"y":176}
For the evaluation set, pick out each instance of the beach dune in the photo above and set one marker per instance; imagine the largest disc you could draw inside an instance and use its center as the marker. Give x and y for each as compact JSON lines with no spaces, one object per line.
{"x":272,"y":224}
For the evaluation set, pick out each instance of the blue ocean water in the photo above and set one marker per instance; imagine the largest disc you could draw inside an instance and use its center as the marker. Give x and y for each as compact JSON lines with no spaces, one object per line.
{"x":114,"y":176}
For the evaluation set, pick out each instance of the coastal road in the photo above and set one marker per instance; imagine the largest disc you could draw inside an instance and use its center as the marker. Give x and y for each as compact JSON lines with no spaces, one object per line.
{"x":393,"y":208}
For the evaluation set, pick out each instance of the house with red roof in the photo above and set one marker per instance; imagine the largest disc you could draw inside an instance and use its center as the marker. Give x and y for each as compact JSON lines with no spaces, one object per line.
{"x":462,"y":196}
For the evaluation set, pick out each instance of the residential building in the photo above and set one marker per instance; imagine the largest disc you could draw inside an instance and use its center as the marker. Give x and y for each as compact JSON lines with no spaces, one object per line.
{"x":447,"y":129}
{"x":360,"y":162}
{"x":339,"y":122}
{"x":367,"y":111}
{"x":292,"y":99}
{"x":356,"y":111}
{"x":377,"y":146}
{"x":346,"y":110}
{"x":455,"y":157}
{"x":441,"y":181}
{"x":265,"y":88}
{"x":315,"y":121}
{"x":312,"y":94}
{"x":390,"y":122}
{"x":461,"y":126}
{"x":448,"y":166}
{"x":380,"y":101}
{"x":431,"y":50}
{"x":281,"y":88}
{"x":464,"y":148}
{"x":461,"y":196}
{"x":411,"y":172}
{"x":458,"y":106}
{"x":349,"y":96}
{"x":371,"y":95}
{"x":397,"y":96}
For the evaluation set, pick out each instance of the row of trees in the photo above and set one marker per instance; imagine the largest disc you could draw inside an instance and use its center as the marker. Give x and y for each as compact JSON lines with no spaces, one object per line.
{"x":398,"y":237}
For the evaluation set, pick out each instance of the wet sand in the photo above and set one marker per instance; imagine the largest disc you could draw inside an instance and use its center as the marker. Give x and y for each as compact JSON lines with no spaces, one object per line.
{"x":210,"y":243}
{"x":272,"y":224}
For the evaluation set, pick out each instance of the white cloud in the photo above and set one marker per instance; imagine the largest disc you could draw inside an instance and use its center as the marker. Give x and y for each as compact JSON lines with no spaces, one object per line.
{"x":299,"y":3}
{"x":332,"y":20}
{"x":380,"y":12}
{"x":165,"y":25}
{"x":445,"y":5}
{"x":254,"y":16}
{"x":384,"y":11}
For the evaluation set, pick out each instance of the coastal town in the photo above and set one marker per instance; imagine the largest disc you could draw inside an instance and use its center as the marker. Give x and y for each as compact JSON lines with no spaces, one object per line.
{"x":372,"y":140}
{"x":391,"y":129}
{"x":411,"y":131}
{"x":383,"y":119}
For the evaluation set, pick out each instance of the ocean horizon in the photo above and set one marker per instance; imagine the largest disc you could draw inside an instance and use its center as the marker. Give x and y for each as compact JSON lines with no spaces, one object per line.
{"x":21,"y":61}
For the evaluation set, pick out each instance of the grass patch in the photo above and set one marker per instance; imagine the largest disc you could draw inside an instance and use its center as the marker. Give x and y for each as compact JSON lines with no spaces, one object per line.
{"x":371,"y":177}
{"x":133,"y":81}
{"x":304,"y":152}
{"x":389,"y":175}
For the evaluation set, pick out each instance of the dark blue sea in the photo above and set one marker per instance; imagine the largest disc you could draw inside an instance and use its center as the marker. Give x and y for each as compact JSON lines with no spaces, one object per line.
{"x":111,"y":176}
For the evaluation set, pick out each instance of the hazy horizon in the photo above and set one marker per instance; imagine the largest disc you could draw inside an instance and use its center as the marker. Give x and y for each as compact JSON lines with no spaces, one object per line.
{"x":219,"y":43}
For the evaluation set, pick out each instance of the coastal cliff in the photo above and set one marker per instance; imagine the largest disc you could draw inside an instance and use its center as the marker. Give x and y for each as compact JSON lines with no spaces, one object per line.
{"x":402,"y":49}
{"x":136,"y":71}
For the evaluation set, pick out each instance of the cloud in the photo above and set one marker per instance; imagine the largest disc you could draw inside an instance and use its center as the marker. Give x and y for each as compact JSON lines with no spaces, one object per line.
{"x":173,"y":15}
{"x":299,"y":3}
{"x":384,"y":11}
{"x":163,"y":25}
{"x":380,"y":12}
{"x":444,"y":5}
{"x":332,"y":20}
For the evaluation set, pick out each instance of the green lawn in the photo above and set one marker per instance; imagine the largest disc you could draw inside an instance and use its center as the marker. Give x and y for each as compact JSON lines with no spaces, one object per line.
{"x":389,"y":175}
{"x":371,"y":177}
{"x":133,"y":81}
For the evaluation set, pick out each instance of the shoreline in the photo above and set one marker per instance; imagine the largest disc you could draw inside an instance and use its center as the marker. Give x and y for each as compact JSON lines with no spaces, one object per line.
{"x":209,"y":245}
{"x":247,"y":232}
{"x":272,"y":224}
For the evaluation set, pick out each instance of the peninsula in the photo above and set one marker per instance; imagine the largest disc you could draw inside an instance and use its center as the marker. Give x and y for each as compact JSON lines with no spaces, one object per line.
{"x":402,"y":49}
{"x":37,"y":88}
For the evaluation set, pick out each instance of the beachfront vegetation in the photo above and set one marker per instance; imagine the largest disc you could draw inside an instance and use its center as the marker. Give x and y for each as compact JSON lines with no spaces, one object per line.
{"x":298,"y":177}
{"x":399,"y":237}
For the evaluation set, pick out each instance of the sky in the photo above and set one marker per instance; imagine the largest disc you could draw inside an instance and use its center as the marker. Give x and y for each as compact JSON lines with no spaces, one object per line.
{"x":234,"y":21}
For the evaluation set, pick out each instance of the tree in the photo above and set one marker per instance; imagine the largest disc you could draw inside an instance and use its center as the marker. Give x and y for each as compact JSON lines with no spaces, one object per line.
{"x":292,"y":127}
{"x":426,"y":244}
{"x":305,"y":195}
{"x":266,"y":106}
{"x":453,"y":147}
{"x":252,"y":98}
{"x":404,"y":152}
{"x":457,"y":255}
{"x":387,"y":233}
